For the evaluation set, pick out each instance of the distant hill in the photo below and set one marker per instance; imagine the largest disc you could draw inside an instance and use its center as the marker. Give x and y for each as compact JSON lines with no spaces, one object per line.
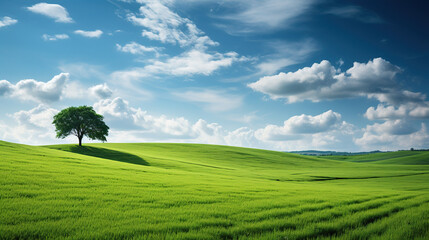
{"x":416,"y":157}
{"x":330,"y":153}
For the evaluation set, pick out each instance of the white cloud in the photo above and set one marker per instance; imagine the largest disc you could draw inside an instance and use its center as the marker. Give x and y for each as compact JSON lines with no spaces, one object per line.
{"x":394,"y":134}
{"x":31,"y":127}
{"x":39,"y":117}
{"x":386,"y":112}
{"x":265,"y":15}
{"x":193,"y":62}
{"x":355,"y":12}
{"x":55,"y":37}
{"x":30,"y":89}
{"x":300,"y":132}
{"x":212,"y":100}
{"x":294,"y":127}
{"x":89,"y":34}
{"x":55,"y":11}
{"x":118,"y":108}
{"x":115,"y":107}
{"x":396,"y":97}
{"x":5,"y":87}
{"x":286,"y":54}
{"x":322,"y":81}
{"x":101,"y":91}
{"x":188,"y":63}
{"x":299,"y":85}
{"x":84,"y":71}
{"x":164,"y":25}
{"x":420,"y":111}
{"x":403,"y":111}
{"x":7,"y":21}
{"x":135,"y":48}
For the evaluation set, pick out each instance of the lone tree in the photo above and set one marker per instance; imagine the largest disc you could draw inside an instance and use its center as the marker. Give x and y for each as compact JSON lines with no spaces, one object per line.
{"x":80,"y":121}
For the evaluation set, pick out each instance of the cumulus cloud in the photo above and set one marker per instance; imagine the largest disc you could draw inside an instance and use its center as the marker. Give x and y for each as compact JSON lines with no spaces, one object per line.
{"x":55,"y":37}
{"x":32,"y":126}
{"x":38,"y":117}
{"x":7,"y":21}
{"x":135,"y":48}
{"x":164,"y":25}
{"x":212,"y":100}
{"x":299,"y":85}
{"x":322,"y":81}
{"x":403,"y":111}
{"x":393,"y":134}
{"x":30,"y":89}
{"x":294,"y":127}
{"x":397,"y":97}
{"x":420,"y":111}
{"x":89,"y":34}
{"x":55,"y":11}
{"x":101,"y":91}
{"x":117,"y":107}
{"x":5,"y":87}
{"x":386,"y":112}
{"x":355,"y":12}
{"x":136,"y":118}
{"x":298,"y":132}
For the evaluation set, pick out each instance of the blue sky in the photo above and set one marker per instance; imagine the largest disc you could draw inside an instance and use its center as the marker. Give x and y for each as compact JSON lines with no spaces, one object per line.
{"x":272,"y":74}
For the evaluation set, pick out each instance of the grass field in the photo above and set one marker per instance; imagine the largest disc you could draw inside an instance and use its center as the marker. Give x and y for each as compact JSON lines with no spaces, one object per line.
{"x":190,"y":191}
{"x":399,"y":157}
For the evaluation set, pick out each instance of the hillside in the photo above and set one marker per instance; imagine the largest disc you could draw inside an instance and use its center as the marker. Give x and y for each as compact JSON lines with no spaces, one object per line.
{"x":399,"y":157}
{"x":191,"y":191}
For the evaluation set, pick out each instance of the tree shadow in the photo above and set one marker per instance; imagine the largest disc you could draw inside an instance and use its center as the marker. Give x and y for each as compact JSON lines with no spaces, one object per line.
{"x":108,"y":154}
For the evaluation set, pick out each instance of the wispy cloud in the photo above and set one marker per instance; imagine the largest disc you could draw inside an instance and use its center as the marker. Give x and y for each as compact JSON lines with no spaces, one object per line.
{"x":191,"y":62}
{"x":264,"y":15}
{"x":212,"y":100}
{"x":162,"y":24}
{"x":357,"y":13}
{"x":7,"y":21}
{"x":138,"y":49}
{"x":55,"y":11}
{"x":89,"y":34}
{"x":285,"y":54}
{"x":55,"y":37}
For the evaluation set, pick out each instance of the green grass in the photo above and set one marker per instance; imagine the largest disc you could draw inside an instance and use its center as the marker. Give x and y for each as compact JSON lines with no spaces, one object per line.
{"x":190,"y":191}
{"x":400,"y":157}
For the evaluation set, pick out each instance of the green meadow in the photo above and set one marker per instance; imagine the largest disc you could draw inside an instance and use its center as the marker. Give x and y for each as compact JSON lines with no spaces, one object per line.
{"x":192,"y":191}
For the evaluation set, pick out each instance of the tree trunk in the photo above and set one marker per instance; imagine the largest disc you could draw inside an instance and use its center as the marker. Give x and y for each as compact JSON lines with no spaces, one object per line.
{"x":80,"y":141}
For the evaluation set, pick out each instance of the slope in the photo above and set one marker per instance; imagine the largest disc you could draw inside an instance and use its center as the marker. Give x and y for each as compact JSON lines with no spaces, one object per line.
{"x":181,"y":191}
{"x":399,"y":157}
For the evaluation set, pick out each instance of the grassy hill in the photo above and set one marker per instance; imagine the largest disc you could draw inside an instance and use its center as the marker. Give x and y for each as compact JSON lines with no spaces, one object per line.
{"x":400,"y":157}
{"x":191,"y":191}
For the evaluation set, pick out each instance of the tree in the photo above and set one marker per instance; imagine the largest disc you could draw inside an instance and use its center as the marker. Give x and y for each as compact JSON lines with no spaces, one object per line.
{"x":80,"y":121}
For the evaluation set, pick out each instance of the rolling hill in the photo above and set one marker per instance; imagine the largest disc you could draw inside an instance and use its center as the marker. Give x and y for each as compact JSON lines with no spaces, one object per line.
{"x":192,"y":191}
{"x":399,"y":157}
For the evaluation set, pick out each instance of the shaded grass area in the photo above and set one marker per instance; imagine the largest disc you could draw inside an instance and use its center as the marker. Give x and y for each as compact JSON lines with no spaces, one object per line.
{"x":204,"y":192}
{"x":102,"y":153}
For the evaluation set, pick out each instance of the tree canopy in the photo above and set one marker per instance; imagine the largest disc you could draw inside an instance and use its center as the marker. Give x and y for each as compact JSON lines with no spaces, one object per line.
{"x":80,"y":121}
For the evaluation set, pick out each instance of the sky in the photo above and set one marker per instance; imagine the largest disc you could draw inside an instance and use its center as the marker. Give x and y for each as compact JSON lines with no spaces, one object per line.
{"x":273,"y":74}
